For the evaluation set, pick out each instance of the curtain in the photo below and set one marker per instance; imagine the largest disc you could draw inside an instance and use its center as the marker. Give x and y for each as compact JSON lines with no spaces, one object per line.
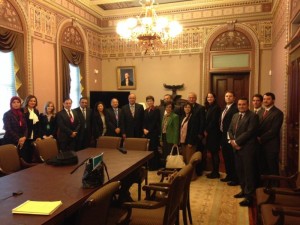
{"x":14,"y":41}
{"x":74,"y":57}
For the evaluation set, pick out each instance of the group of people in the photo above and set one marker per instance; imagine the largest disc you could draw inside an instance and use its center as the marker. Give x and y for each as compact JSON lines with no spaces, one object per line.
{"x":248,"y":139}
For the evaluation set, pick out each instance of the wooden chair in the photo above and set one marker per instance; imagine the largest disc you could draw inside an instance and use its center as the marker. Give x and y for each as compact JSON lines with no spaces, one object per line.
{"x":108,"y":142}
{"x":95,"y":209}
{"x":165,"y":212}
{"x":10,"y":161}
{"x":138,"y":144}
{"x":185,"y":202}
{"x":279,"y":196}
{"x":46,"y":148}
{"x":280,"y":215}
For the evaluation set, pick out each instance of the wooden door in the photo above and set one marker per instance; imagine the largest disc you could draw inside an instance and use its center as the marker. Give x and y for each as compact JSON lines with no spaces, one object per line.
{"x":237,"y":82}
{"x":293,"y":118}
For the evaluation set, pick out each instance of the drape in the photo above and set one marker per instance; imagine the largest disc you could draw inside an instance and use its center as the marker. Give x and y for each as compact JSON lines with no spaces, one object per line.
{"x":14,"y":41}
{"x":74,"y":57}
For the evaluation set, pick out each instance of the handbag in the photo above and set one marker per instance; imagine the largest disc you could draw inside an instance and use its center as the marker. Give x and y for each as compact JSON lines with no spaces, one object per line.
{"x":175,"y":161}
{"x":94,"y":177}
{"x":64,"y":159}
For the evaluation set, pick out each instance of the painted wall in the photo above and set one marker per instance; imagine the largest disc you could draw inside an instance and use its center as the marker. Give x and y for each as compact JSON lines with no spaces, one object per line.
{"x":265,"y":66}
{"x":152,"y":73}
{"x":44,"y":72}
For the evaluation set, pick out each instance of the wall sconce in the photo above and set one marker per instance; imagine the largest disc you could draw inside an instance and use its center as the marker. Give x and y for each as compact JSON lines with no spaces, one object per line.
{"x":270,"y":72}
{"x":96,"y":71}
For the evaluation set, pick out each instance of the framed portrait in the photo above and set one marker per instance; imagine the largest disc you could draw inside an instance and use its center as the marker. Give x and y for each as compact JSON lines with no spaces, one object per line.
{"x":126,"y":78}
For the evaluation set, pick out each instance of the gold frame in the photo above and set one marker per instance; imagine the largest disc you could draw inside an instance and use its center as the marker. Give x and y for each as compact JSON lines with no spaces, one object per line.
{"x":120,"y":77}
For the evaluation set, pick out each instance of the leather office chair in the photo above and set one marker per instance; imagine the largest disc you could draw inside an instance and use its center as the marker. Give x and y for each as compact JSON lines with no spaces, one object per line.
{"x":279,"y":196}
{"x":10,"y":161}
{"x":275,"y":215}
{"x":185,"y":202}
{"x":95,"y":209}
{"x":138,"y":144}
{"x":46,"y":148}
{"x":108,"y":142}
{"x":165,"y":212}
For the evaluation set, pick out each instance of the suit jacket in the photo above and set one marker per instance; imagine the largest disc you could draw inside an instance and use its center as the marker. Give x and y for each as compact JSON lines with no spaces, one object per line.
{"x":227,"y":120}
{"x":192,"y":130}
{"x":152,"y":122}
{"x":172,"y":129}
{"x":48,"y":127}
{"x":65,"y":127}
{"x":132,"y":126}
{"x":212,"y":127}
{"x":98,"y":125}
{"x":85,"y":131}
{"x":130,"y":82}
{"x":244,"y":131}
{"x":13,"y":130}
{"x":35,"y":128}
{"x":269,"y":128}
{"x":112,"y":122}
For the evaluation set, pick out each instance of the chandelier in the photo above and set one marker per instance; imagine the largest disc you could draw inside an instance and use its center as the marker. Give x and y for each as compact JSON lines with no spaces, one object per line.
{"x":149,"y":30}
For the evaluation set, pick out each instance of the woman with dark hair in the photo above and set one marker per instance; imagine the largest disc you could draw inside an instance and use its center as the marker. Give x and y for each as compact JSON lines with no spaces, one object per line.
{"x":212,"y":132}
{"x":15,"y":125}
{"x":151,"y":129}
{"x":99,"y":120}
{"x":48,"y":121}
{"x":169,"y":130}
{"x":188,"y":133}
{"x":33,"y":125}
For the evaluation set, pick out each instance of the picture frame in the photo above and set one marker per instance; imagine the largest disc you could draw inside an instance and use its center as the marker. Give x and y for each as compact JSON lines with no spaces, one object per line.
{"x":126,"y":78}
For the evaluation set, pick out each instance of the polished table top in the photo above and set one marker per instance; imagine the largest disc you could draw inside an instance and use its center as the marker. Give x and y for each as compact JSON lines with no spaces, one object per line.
{"x":48,"y":183}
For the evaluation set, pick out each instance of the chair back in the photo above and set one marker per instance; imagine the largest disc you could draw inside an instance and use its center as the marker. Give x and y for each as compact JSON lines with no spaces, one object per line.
{"x":9,"y":159}
{"x":175,"y":194}
{"x":298,"y":180}
{"x":140,"y":144}
{"x":108,"y":142}
{"x":46,"y":148}
{"x":95,"y":209}
{"x":196,"y":158}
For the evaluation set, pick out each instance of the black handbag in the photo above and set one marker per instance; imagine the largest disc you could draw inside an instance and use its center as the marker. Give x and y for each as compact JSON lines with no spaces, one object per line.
{"x":94,"y":177}
{"x":64,"y":159}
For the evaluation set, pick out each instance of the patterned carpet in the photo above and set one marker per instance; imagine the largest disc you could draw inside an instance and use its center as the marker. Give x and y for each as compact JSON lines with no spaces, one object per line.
{"x":211,"y":203}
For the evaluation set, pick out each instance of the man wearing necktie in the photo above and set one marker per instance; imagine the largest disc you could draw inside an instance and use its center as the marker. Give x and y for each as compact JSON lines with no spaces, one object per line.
{"x":84,"y":115}
{"x":271,"y":119}
{"x":132,"y":118}
{"x":227,"y":150}
{"x":257,"y":103}
{"x":113,"y":119}
{"x":68,"y":127}
{"x":242,"y":137}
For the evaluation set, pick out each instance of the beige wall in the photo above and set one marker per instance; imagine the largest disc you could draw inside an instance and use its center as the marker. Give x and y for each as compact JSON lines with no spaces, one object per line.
{"x":44,"y":72}
{"x":265,"y":67}
{"x":152,"y":73}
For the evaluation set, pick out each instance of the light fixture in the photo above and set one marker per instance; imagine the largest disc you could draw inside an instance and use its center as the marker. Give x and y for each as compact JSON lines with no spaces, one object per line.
{"x":148,"y":29}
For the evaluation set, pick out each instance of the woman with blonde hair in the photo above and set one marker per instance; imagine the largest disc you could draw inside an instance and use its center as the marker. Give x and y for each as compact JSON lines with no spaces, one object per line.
{"x":48,"y":121}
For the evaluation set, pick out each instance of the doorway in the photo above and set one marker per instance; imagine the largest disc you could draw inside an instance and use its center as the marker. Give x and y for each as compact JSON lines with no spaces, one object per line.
{"x":237,"y":82}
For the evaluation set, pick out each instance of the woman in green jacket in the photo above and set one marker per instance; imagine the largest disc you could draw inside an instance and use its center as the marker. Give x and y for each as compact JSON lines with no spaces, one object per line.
{"x":169,"y":130}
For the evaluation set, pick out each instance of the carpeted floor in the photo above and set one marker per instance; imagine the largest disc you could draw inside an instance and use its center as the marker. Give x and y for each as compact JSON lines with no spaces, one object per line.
{"x":212,"y":203}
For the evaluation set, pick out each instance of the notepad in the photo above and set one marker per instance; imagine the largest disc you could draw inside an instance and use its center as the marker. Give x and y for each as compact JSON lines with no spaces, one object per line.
{"x":37,"y":207}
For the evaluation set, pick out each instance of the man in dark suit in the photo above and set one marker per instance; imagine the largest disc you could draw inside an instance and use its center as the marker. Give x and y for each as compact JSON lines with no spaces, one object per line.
{"x":132,"y":118}
{"x":126,"y":81}
{"x":242,"y":136}
{"x":227,"y":150}
{"x":162,"y":107}
{"x":68,"y":127}
{"x":84,"y":115}
{"x":271,"y":119}
{"x":198,"y":111}
{"x":113,"y":119}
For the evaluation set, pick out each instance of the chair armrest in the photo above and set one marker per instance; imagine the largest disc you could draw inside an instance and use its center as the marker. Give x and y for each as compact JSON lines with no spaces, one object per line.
{"x":271,"y":191}
{"x":276,"y":177}
{"x":161,"y":188}
{"x":288,"y":211}
{"x":144,"y":204}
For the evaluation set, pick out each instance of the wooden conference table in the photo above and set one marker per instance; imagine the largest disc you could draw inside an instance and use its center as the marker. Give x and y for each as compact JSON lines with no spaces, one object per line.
{"x":48,"y":183}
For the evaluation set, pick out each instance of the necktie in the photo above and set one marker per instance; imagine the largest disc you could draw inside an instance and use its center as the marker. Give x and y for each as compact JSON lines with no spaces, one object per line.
{"x":222,"y":117}
{"x":116,"y":115}
{"x":132,"y":110}
{"x":265,"y":113}
{"x":238,"y":121}
{"x":70,"y":115}
{"x":84,"y":116}
{"x":255,"y":111}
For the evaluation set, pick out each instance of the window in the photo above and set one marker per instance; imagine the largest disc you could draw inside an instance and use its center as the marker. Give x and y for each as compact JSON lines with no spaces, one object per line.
{"x":7,"y":83}
{"x":75,"y":90}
